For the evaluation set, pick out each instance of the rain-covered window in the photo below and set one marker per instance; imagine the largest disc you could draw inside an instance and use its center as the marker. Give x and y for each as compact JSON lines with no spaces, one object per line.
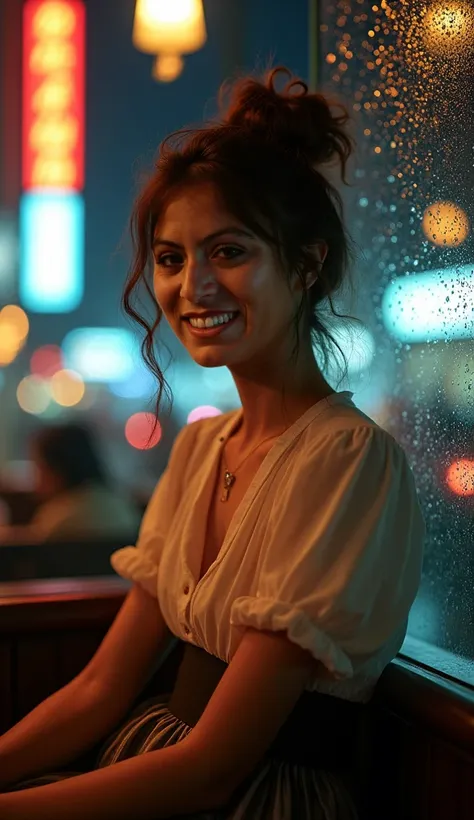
{"x":405,"y":71}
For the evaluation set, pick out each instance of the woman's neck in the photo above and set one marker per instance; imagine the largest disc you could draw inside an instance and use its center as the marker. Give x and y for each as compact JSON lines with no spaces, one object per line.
{"x":277,"y":397}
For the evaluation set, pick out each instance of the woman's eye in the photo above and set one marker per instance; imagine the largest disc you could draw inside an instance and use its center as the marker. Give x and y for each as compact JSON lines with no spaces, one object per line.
{"x":168,"y":260}
{"x":228,"y":251}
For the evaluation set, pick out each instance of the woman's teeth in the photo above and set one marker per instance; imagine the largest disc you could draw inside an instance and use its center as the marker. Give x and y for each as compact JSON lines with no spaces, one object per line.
{"x":212,"y":321}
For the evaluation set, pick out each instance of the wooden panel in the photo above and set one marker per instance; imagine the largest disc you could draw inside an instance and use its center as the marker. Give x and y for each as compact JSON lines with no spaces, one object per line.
{"x":37,"y":672}
{"x":415,"y":773}
{"x":466,"y":789}
{"x":6,"y":685}
{"x":433,"y":702}
{"x":75,"y":650}
{"x":31,"y":606}
{"x":49,"y":630}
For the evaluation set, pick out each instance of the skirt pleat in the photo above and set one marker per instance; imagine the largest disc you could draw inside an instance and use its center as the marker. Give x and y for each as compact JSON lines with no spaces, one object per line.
{"x":276,"y":790}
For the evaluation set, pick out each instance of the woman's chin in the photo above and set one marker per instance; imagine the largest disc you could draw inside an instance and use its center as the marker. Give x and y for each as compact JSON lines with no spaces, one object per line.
{"x":210,"y":358}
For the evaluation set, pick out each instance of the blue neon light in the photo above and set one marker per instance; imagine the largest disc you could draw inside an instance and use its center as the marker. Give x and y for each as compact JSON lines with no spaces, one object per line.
{"x":101,"y":354}
{"x":51,"y":251}
{"x":429,"y":306}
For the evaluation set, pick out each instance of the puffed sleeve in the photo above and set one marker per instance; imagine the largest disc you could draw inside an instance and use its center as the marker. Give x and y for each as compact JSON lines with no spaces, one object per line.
{"x":342,"y":564}
{"x":140,"y":563}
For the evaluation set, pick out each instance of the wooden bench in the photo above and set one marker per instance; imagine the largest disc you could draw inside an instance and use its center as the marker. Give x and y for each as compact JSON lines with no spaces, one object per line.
{"x":418,"y":758}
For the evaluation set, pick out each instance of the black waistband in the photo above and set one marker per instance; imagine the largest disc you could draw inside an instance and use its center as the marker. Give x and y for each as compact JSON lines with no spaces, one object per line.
{"x":321,"y":731}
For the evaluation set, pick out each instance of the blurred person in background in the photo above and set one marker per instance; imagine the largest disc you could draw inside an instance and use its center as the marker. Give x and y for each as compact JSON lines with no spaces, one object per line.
{"x":76,"y":499}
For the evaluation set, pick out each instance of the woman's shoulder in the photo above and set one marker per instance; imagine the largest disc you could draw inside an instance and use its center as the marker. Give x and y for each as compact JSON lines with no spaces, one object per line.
{"x":344,"y":430}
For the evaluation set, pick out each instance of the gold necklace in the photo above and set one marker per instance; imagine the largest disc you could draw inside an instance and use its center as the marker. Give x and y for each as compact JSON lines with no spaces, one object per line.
{"x":229,"y":477}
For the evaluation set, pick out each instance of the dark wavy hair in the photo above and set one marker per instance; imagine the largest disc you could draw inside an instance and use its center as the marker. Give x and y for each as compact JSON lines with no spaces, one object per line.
{"x":264,"y":155}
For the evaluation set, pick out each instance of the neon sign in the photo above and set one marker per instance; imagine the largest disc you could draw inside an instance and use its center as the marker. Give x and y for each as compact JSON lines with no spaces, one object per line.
{"x":53,"y":94}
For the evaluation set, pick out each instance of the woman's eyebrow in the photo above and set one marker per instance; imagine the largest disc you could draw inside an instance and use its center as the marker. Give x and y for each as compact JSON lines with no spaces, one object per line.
{"x":158,"y":240}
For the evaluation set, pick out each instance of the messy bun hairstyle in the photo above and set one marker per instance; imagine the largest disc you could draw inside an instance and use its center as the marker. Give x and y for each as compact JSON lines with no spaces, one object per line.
{"x":264,"y":155}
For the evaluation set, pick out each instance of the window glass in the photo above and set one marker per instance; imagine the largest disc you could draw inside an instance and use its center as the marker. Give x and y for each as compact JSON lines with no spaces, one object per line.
{"x":404,"y":70}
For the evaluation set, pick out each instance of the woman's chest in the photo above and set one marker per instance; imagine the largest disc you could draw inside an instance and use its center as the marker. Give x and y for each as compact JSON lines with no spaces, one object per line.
{"x":222,"y":509}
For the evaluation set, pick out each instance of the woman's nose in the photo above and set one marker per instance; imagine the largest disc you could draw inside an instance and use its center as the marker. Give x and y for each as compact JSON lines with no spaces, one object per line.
{"x":198,"y":281}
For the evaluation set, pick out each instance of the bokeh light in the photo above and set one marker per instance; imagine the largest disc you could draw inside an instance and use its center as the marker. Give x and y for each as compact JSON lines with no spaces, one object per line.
{"x":139,"y":431}
{"x":33,"y":395}
{"x":67,"y":388}
{"x":139,"y":384}
{"x":17,"y":318}
{"x":445,"y":224}
{"x":448,"y":27}
{"x":14,"y":327}
{"x":460,"y":477}
{"x":206,"y":411}
{"x":101,"y":354}
{"x":46,"y":361}
{"x":9,"y":345}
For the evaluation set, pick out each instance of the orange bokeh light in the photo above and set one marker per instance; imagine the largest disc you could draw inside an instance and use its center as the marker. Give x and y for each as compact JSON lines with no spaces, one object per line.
{"x":460,"y":477}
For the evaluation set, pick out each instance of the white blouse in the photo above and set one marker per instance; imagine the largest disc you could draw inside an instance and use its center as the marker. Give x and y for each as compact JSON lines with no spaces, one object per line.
{"x":326,"y":545}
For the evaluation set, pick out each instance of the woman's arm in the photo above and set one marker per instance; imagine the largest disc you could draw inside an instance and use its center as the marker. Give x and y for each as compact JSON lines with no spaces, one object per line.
{"x":252,"y":701}
{"x":90,"y":706}
{"x":157,"y":784}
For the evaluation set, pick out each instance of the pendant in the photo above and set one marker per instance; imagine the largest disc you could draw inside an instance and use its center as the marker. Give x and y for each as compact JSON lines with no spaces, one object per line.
{"x":229,"y":480}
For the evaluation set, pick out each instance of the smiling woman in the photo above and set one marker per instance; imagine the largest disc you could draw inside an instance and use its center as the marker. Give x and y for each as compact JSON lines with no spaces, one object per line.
{"x":240,"y":209}
{"x":283,"y":542}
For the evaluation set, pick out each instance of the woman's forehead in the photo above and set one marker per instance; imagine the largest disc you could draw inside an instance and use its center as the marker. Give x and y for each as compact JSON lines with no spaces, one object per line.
{"x":196,"y":211}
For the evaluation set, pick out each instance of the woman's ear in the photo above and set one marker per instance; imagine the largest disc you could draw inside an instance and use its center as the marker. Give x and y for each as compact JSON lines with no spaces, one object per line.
{"x":319,"y":252}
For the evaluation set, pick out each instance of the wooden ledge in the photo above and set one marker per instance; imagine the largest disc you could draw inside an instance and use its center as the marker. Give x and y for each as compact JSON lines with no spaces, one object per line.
{"x":58,"y":604}
{"x":436,"y":703}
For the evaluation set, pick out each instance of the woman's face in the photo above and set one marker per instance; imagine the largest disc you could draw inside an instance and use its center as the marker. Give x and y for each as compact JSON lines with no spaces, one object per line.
{"x":211,"y":270}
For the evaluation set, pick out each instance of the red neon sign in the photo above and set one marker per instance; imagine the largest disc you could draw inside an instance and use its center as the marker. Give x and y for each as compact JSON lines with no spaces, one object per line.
{"x":53,"y":94}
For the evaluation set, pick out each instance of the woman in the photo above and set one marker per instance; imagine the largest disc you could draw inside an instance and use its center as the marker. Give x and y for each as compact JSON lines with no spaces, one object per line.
{"x":283,"y":543}
{"x":76,"y":501}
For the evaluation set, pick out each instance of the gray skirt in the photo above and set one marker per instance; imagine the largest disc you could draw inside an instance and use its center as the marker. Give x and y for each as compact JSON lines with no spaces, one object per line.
{"x":276,"y":790}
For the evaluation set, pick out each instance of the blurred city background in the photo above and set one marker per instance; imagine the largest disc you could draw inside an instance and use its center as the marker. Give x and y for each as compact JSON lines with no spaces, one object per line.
{"x":87,"y":92}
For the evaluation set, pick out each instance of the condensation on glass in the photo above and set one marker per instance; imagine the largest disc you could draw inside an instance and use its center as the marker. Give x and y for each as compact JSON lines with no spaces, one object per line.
{"x":404,"y":70}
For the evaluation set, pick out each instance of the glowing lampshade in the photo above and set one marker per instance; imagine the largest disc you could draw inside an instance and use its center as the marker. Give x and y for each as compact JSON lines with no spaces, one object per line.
{"x":167,"y":67}
{"x":176,"y":27}
{"x":67,"y":388}
{"x":460,"y":477}
{"x":448,"y":27}
{"x":139,"y":428}
{"x":445,"y":224}
{"x":204,"y":412}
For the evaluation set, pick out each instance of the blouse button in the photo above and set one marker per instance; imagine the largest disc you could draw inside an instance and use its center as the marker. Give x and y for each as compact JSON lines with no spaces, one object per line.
{"x":186,"y":589}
